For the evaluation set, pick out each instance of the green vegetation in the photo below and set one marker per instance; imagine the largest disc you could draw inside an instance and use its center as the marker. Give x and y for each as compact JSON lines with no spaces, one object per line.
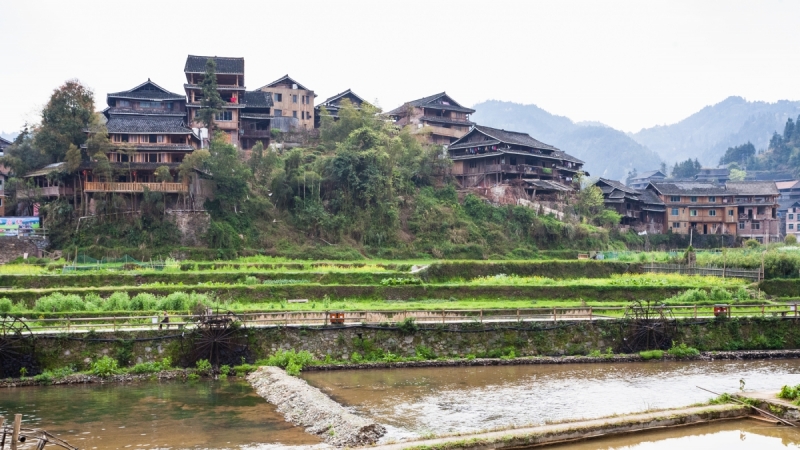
{"x":791,"y":393}
{"x":682,"y":351}
{"x":105,"y":367}
{"x":651,"y":354}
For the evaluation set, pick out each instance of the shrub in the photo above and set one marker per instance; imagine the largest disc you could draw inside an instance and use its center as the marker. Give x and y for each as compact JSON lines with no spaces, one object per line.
{"x":250,"y":280}
{"x":652,"y":354}
{"x":105,"y":367}
{"x":424,"y":352}
{"x":752,"y":243}
{"x":789,"y":392}
{"x":290,"y":360}
{"x":152,"y":366}
{"x":356,"y":357}
{"x":5,"y":305}
{"x":118,"y":301}
{"x":143,"y":302}
{"x":58,"y":302}
{"x":225,"y":369}
{"x":203,"y":367}
{"x":790,"y":239}
{"x":683,"y":351}
{"x":408,"y":326}
{"x":176,"y":301}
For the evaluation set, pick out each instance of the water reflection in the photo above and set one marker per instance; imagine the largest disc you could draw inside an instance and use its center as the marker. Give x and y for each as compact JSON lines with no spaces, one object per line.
{"x":733,"y":435}
{"x":414,"y":402}
{"x":153,"y":415}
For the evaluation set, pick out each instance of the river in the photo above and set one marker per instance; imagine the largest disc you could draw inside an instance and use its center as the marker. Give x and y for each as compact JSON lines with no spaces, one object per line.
{"x":411,"y":402}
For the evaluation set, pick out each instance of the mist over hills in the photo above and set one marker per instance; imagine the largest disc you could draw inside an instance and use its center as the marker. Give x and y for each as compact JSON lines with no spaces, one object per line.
{"x":706,"y":134}
{"x":608,"y":153}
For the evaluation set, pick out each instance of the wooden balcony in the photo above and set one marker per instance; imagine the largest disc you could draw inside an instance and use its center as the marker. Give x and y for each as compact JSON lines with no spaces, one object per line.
{"x":257,"y":133}
{"x":441,"y":131}
{"x":97,"y":186}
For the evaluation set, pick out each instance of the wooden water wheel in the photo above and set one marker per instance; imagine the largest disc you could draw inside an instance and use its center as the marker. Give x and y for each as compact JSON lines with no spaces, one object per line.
{"x":16,"y":347}
{"x":647,"y":327}
{"x":219,"y":338}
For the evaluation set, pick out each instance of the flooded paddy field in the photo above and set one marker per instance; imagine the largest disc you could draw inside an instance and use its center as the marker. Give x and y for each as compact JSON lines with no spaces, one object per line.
{"x":204,"y":414}
{"x":419,"y":402}
{"x":733,"y":435}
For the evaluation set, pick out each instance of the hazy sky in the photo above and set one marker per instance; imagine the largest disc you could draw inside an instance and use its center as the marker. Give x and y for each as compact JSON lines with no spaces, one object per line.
{"x":629,"y":64}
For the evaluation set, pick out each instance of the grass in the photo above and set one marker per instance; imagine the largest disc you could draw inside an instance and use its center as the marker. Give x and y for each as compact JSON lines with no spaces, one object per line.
{"x":648,"y":279}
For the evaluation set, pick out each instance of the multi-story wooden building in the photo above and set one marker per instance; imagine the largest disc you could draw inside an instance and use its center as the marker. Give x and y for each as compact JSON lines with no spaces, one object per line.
{"x":292,"y":100}
{"x":745,"y":209}
{"x":230,"y":85}
{"x":641,"y":210}
{"x":641,"y":181}
{"x":256,"y":119}
{"x":333,"y":105}
{"x":147,"y":128}
{"x":439,"y":117}
{"x":487,"y":156}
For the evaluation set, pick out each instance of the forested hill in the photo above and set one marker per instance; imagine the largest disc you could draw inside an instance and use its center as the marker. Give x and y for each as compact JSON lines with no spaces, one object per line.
{"x":706,"y":134}
{"x":608,"y":153}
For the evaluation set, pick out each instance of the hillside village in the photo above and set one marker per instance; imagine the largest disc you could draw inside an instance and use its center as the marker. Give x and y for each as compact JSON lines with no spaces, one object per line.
{"x":149,"y":136}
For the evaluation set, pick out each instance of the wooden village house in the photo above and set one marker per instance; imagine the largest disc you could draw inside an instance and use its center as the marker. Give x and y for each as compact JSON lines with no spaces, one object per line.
{"x":487,"y":156}
{"x":438,"y":117}
{"x":230,"y":85}
{"x":641,"y":210}
{"x":293,"y":104}
{"x":334,"y":104}
{"x":746,"y":209}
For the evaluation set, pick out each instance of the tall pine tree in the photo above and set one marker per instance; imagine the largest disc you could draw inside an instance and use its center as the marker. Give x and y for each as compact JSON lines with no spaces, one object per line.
{"x":212,"y":103}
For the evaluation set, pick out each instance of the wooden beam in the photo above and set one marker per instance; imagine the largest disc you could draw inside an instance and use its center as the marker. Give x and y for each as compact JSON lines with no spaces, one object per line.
{"x":15,"y":431}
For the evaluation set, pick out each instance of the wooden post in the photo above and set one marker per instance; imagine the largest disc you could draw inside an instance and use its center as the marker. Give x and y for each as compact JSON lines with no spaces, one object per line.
{"x":518,"y":315}
{"x":695,"y":311}
{"x":15,"y":431}
{"x":481,"y":322}
{"x":762,"y":310}
{"x":762,"y":266}
{"x":3,"y":430}
{"x":555,"y":317}
{"x":442,"y":316}
{"x":590,"y":314}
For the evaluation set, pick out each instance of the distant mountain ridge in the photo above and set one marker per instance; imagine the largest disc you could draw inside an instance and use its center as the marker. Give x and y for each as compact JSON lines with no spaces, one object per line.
{"x":706,"y":134}
{"x":608,"y":153}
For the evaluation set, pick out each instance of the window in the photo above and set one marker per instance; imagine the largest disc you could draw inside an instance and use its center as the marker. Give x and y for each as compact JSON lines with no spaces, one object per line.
{"x":693,"y":212}
{"x":712,"y":213}
{"x":676,"y":224}
{"x":278,"y":97}
{"x":294,"y":114}
{"x":693,"y":199}
{"x":675,"y":198}
{"x":791,"y":226}
{"x":712,"y":199}
{"x":153,"y":139}
{"x":730,"y":212}
{"x":123,"y":103}
{"x":473,"y":164}
{"x":674,"y":211}
{"x":756,"y":225}
{"x":791,"y":216}
{"x":741,"y":225}
{"x":224,"y":116}
{"x":278,"y":113}
{"x":149,"y":105}
{"x":294,"y":99}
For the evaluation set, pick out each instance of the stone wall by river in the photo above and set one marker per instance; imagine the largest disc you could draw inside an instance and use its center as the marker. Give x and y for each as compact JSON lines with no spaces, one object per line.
{"x":527,"y":339}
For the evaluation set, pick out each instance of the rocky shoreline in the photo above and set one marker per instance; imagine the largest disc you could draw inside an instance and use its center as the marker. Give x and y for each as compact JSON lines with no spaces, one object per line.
{"x":307,"y":406}
{"x":84,"y":378}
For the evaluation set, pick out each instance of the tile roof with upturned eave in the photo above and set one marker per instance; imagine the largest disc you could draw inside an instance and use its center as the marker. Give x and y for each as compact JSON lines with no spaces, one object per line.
{"x":142,"y":112}
{"x":147,"y":124}
{"x":141,"y":92}
{"x":649,"y":197}
{"x":329,"y":101}
{"x":648,"y":174}
{"x":286,"y":78}
{"x":225,"y":65}
{"x":258,"y":99}
{"x":507,"y":137}
{"x":429,"y":102}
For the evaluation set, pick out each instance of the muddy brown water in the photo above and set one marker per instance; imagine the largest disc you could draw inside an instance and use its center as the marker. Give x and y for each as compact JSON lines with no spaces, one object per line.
{"x":735,"y":435}
{"x":417,"y":402}
{"x":225,"y":414}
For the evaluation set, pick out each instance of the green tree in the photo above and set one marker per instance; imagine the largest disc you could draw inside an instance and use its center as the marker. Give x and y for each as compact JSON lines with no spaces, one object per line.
{"x":631,"y":175}
{"x":686,"y":169}
{"x":23,"y":156}
{"x":65,"y":119}
{"x":229,"y":173}
{"x":590,"y":202}
{"x":739,"y":154}
{"x":162,"y":174}
{"x":211,"y":103}
{"x":738,"y":175}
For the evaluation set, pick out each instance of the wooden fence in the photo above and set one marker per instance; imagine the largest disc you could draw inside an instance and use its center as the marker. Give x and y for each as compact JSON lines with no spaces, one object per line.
{"x":723,"y":272}
{"x":431,"y":317}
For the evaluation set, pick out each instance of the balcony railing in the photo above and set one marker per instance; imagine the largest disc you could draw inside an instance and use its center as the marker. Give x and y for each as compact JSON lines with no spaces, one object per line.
{"x":97,"y":186}
{"x":257,"y":133}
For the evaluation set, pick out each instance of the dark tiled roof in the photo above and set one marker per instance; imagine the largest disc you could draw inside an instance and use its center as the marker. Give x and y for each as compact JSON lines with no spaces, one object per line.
{"x":332,"y":101}
{"x":510,"y":137}
{"x":783,"y":205}
{"x":648,"y":174}
{"x":650,"y":197}
{"x":197,"y":64}
{"x":431,"y":102}
{"x":689,"y":188}
{"x":147,"y":91}
{"x":4,"y":143}
{"x":547,"y":185}
{"x":753,"y":187}
{"x":257,"y":99}
{"x":147,"y":124}
{"x":446,"y":120}
{"x":617,"y":185}
{"x":285,"y":78}
{"x":565,"y":156}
